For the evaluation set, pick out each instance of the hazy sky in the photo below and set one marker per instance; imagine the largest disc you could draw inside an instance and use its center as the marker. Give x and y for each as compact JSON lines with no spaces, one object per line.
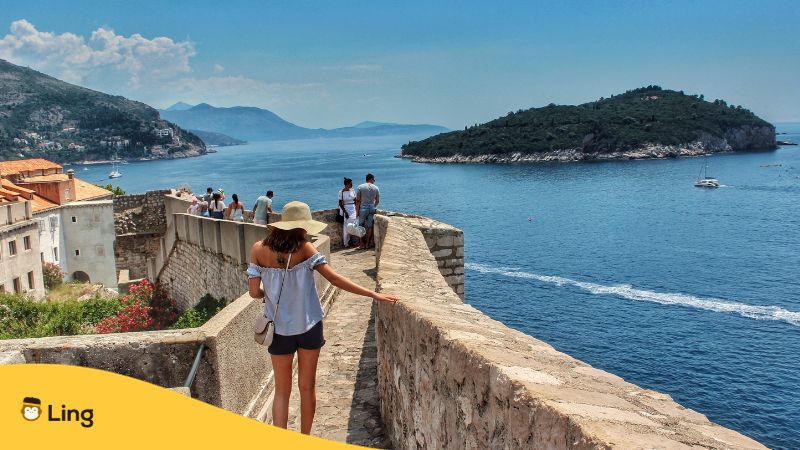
{"x":335,"y":63}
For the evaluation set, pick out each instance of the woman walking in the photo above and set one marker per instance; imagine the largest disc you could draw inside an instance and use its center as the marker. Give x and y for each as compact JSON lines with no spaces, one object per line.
{"x":235,"y":210}
{"x":216,"y":208}
{"x":281,"y":271}
{"x":347,"y":208}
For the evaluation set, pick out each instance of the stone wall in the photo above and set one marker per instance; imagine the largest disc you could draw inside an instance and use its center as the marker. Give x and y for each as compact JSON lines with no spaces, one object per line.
{"x":232,"y":372}
{"x":445,"y":242}
{"x":141,"y":213}
{"x":210,"y":257}
{"x":451,"y":377}
{"x":132,"y":251}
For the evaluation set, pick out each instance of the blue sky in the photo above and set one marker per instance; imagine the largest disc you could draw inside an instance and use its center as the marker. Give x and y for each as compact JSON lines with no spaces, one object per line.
{"x":327,"y":64}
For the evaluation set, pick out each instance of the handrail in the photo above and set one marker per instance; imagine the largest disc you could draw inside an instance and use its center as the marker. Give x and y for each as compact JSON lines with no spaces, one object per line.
{"x":193,"y":371}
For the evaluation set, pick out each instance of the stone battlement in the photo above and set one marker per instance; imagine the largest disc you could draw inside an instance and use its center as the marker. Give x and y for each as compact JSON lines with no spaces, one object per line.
{"x":451,"y":377}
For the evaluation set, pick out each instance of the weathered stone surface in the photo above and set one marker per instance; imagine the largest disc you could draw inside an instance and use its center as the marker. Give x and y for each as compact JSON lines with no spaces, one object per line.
{"x":347,"y":398}
{"x":12,"y":357}
{"x":451,"y":377}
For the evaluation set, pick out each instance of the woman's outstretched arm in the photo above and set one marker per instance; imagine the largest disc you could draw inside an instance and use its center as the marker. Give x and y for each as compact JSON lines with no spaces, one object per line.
{"x":343,"y":282}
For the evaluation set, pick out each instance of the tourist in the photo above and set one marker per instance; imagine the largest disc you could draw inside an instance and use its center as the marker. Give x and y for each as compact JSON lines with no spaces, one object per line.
{"x":367,"y":200}
{"x":286,"y":258}
{"x":204,"y":208}
{"x":262,"y":209}
{"x":347,"y":208}
{"x":216,"y":208}
{"x":194,"y":208}
{"x":209,"y":195}
{"x":235,"y":210}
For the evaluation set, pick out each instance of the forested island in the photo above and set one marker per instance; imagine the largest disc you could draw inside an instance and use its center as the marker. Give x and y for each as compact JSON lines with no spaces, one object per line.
{"x":648,"y":122}
{"x":41,"y":116}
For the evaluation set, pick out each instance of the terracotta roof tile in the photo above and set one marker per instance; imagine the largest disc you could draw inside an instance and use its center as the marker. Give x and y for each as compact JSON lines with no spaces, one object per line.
{"x":40,"y":203}
{"x":45,"y":178}
{"x":87,"y":191}
{"x":23,"y":165}
{"x":7,"y":184}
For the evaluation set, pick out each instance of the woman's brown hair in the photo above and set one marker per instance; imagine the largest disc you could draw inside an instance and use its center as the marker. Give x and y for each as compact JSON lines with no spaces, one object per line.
{"x":285,"y":241}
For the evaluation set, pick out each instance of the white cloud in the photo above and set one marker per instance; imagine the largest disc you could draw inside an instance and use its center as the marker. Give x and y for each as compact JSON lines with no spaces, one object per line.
{"x":218,"y":68}
{"x":74,"y":59}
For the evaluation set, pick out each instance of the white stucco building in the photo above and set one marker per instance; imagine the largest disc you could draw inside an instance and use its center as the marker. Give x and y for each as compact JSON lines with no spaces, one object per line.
{"x":75,"y":219}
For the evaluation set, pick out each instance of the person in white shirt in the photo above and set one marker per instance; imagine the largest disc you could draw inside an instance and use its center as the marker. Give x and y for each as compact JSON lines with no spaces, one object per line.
{"x":347,"y":208}
{"x":216,"y":208}
{"x":194,"y":208}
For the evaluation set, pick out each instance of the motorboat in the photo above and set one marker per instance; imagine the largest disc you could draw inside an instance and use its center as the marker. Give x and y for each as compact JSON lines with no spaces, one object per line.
{"x":706,"y":181}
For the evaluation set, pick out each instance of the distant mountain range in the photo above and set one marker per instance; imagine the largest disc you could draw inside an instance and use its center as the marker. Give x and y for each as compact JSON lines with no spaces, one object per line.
{"x":41,"y":116}
{"x":257,"y":124}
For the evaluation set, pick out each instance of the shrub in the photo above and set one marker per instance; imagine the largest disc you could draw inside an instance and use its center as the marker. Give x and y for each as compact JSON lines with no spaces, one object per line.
{"x":144,"y":307}
{"x":53,"y":276}
{"x":23,"y":318}
{"x":206,"y":308}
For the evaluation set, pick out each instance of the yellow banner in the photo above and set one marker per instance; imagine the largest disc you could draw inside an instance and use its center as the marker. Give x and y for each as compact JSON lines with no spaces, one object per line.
{"x":54,"y":406}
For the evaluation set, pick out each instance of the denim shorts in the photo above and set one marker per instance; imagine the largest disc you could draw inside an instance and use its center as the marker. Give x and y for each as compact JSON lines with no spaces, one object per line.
{"x":312,"y":339}
{"x":366,"y":216}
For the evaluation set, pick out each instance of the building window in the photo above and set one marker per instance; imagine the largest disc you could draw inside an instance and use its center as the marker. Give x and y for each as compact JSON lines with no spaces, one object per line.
{"x":17,"y":286}
{"x":55,"y":253}
{"x":26,"y":242}
{"x":31,"y":281}
{"x":12,"y":248}
{"x":77,"y":252}
{"x":74,"y":219}
{"x":2,"y":288}
{"x":41,"y":256}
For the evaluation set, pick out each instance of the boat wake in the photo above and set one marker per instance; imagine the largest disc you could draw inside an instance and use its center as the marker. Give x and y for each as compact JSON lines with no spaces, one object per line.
{"x":628,"y":292}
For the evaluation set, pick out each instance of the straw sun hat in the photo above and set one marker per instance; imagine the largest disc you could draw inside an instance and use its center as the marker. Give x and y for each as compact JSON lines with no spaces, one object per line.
{"x":298,"y":215}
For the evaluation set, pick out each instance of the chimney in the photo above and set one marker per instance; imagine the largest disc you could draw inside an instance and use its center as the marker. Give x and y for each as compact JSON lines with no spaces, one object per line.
{"x":71,"y":174}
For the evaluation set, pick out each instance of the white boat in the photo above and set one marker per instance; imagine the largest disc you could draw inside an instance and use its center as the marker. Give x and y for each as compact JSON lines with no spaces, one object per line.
{"x":115,"y":173}
{"x":706,"y":181}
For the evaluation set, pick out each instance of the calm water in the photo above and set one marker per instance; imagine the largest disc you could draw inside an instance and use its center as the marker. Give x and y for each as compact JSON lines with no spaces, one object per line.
{"x":624,"y":265}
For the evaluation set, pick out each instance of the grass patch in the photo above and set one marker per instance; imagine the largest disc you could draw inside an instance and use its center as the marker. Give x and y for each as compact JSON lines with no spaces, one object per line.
{"x":23,"y":318}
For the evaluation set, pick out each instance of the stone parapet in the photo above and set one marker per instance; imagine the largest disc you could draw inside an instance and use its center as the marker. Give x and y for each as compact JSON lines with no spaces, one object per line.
{"x":445,"y":243}
{"x":451,"y":377}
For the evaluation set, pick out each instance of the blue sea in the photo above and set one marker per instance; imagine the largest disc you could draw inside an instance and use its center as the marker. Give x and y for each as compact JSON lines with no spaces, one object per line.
{"x":625,"y":265}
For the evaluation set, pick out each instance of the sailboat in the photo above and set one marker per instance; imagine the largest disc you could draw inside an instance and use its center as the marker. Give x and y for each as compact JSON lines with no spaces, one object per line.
{"x":115,"y":173}
{"x":706,"y":181}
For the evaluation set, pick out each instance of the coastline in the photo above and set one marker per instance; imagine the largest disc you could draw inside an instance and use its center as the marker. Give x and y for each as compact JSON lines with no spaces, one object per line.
{"x":649,"y":151}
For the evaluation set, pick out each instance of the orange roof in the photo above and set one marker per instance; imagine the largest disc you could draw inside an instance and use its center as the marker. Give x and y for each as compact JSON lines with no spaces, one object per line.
{"x":45,"y":178}
{"x":25,"y":165}
{"x":7,"y":184}
{"x":40,"y":203}
{"x":88,"y":191}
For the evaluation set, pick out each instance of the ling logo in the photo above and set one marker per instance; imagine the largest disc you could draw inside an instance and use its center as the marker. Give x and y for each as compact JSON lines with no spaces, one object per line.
{"x":31,"y":408}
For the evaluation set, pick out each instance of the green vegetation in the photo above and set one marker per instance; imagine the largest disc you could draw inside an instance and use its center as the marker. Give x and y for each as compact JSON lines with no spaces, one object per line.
{"x":623,"y":122}
{"x":115,"y":189}
{"x":21,"y":317}
{"x":146,"y":307}
{"x":53,"y":276}
{"x":206,"y":308}
{"x":41,"y":116}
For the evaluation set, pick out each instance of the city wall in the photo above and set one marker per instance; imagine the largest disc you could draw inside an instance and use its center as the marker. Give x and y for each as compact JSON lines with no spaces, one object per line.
{"x":451,"y":377}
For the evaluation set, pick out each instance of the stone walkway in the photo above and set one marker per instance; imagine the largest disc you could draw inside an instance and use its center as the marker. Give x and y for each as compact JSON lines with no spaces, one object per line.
{"x":347,"y":398}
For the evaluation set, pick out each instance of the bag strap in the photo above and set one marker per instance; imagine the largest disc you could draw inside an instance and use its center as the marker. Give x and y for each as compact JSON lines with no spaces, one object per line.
{"x":283,"y":279}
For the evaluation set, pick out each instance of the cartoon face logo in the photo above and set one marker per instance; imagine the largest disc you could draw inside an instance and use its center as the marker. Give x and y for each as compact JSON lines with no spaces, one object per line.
{"x":31,"y":408}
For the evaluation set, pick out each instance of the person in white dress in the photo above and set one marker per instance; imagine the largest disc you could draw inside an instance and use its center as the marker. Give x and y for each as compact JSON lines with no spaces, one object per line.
{"x":347,"y":208}
{"x":235,"y":210}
